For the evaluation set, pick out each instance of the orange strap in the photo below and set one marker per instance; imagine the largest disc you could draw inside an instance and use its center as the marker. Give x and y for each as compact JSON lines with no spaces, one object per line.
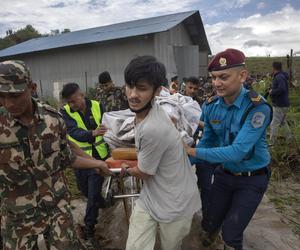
{"x":117,"y":163}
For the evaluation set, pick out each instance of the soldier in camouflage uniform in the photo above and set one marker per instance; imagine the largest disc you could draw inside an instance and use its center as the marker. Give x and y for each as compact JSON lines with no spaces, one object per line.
{"x":208,"y":89}
{"x":111,"y":97}
{"x":33,"y":152}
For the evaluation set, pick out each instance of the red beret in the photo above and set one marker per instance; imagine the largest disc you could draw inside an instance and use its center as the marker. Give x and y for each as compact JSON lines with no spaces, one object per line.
{"x":226,"y":59}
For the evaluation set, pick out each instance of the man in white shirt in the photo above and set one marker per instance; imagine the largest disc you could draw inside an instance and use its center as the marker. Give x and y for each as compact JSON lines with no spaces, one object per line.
{"x":169,"y":197}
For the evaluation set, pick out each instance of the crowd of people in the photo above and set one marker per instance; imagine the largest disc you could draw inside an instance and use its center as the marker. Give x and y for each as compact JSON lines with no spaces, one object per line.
{"x":229,"y":163}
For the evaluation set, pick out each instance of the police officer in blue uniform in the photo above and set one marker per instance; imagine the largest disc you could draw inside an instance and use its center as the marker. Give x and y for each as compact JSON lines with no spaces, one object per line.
{"x":237,"y":120}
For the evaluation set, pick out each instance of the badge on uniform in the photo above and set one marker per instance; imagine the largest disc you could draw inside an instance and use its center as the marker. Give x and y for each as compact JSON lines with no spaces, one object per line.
{"x":258,"y":120}
{"x":213,"y":122}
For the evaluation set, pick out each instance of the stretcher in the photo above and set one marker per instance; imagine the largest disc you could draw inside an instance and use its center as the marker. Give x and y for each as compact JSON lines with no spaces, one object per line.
{"x":122,"y":192}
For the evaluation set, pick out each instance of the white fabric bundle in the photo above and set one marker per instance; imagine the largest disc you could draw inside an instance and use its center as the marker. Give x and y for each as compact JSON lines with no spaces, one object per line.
{"x":184,"y":111}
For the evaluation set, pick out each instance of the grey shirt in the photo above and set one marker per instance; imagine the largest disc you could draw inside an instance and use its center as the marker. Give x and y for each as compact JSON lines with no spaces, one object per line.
{"x":171,"y":193}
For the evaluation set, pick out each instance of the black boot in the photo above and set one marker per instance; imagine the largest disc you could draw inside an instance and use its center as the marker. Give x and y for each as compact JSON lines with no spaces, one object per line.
{"x":91,"y":242}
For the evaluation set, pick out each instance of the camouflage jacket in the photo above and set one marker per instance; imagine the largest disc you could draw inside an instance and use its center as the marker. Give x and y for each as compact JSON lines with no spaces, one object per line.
{"x":204,"y":93}
{"x":199,"y":99}
{"x":32,"y":185}
{"x":112,"y":98}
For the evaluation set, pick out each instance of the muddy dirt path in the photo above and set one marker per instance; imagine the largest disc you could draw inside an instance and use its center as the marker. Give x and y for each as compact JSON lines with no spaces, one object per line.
{"x":266,"y":231}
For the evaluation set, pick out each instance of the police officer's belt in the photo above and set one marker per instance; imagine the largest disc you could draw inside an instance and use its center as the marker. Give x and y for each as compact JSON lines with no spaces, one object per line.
{"x":260,"y":171}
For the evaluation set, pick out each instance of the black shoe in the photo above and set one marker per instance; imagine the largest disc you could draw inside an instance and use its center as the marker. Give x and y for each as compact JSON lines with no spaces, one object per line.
{"x":89,"y":231}
{"x":92,"y":244}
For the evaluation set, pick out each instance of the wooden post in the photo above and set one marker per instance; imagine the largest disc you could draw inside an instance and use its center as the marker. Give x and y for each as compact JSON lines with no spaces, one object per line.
{"x":291,"y":68}
{"x":86,"y":86}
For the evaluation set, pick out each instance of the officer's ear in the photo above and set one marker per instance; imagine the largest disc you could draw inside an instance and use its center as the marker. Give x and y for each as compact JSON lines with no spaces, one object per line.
{"x":243,"y":74}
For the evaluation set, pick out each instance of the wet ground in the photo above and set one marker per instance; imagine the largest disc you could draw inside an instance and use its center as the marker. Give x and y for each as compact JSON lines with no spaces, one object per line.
{"x":266,"y":231}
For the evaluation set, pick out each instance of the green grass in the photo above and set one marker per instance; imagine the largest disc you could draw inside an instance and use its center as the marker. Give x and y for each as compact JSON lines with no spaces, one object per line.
{"x":286,"y":154}
{"x":284,"y":188}
{"x":263,"y":65}
{"x":285,"y":195}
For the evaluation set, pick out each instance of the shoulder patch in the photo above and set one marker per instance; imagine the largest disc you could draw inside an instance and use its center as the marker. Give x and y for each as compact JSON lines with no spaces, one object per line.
{"x":258,"y":120}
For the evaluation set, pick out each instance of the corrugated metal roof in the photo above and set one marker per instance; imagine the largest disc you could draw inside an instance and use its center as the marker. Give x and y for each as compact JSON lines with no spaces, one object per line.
{"x":99,"y":34}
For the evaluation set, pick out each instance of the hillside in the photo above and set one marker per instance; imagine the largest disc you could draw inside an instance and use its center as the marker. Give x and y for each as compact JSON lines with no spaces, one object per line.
{"x":263,"y":65}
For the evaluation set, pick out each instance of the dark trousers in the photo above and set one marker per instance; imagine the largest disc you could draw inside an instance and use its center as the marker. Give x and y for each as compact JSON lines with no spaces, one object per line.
{"x":233,"y":202}
{"x":205,"y":173}
{"x":90,"y":184}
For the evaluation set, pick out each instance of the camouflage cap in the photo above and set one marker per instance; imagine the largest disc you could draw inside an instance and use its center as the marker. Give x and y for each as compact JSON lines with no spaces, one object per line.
{"x":14,"y":76}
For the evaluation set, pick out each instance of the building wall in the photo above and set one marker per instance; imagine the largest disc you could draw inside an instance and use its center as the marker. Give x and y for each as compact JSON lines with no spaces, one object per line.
{"x":171,"y":47}
{"x":203,"y":62}
{"x":83,"y":64}
{"x":164,"y":43}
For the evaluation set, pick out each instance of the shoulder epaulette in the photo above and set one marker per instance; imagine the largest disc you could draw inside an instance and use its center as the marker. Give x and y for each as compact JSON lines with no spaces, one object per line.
{"x":50,"y":109}
{"x":210,"y":100}
{"x":255,"y":98}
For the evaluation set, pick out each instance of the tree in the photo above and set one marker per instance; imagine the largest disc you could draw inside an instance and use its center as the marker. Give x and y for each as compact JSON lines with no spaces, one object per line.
{"x":54,"y":32}
{"x":21,"y":35}
{"x":25,"y":34}
{"x":66,"y":31}
{"x":58,"y":32}
{"x":6,"y":42}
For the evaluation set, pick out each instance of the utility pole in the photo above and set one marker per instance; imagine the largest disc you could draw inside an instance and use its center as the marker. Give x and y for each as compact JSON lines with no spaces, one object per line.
{"x":41,"y":88}
{"x":86,"y":83}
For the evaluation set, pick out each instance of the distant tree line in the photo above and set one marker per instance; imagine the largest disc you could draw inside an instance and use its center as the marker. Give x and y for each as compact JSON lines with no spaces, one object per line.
{"x":24,"y":34}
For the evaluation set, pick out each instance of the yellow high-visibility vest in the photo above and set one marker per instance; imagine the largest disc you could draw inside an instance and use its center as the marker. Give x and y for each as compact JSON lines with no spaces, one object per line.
{"x":99,"y":143}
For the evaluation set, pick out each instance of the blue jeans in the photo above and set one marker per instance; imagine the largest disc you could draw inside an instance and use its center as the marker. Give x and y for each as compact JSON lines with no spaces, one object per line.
{"x":90,"y":184}
{"x":233,"y":202}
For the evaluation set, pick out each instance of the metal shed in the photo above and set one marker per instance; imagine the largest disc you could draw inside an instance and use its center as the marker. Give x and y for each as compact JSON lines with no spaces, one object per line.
{"x":177,"y":40}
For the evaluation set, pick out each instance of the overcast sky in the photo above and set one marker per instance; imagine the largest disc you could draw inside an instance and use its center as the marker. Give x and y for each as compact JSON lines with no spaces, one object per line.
{"x":259,"y":28}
